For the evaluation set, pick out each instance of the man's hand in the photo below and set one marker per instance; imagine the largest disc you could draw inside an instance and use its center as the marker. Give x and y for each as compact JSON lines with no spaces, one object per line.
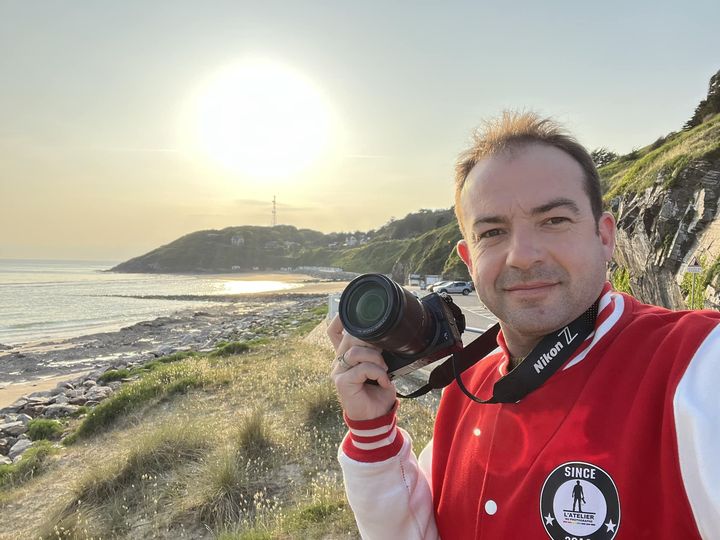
{"x":356,"y":362}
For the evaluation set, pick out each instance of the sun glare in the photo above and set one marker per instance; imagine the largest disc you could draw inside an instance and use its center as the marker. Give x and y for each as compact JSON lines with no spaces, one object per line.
{"x":261,"y":119}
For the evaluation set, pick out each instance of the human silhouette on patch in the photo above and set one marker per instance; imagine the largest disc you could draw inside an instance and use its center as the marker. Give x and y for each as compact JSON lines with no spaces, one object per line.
{"x":578,"y":496}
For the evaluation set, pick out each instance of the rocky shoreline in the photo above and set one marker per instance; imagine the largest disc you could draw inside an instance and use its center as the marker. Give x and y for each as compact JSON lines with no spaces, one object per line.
{"x":198,"y":330}
{"x":201,"y":331}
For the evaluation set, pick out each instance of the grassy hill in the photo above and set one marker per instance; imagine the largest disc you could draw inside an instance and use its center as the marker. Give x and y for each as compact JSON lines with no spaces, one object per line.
{"x":666,"y":158}
{"x":421,"y":242}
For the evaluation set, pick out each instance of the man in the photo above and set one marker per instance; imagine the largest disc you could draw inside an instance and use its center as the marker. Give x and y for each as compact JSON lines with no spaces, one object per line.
{"x":630,"y":415}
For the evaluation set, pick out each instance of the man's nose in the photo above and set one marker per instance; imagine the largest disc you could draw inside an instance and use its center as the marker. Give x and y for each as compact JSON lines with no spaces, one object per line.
{"x":525,"y":250}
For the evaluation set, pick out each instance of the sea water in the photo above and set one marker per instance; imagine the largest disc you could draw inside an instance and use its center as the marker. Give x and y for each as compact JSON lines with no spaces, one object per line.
{"x":51,"y":299}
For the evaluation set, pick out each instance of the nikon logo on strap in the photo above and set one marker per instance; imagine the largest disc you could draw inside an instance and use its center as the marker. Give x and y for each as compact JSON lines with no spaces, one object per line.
{"x":546,"y":357}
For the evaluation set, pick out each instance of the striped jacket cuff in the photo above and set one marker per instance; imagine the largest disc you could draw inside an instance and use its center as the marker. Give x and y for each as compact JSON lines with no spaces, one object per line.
{"x":370,"y":441}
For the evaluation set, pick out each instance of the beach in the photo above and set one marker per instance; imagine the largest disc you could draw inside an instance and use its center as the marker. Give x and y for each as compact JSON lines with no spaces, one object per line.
{"x":37,"y":366}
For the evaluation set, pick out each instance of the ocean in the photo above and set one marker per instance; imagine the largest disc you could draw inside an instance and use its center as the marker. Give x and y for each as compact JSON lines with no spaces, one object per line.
{"x":51,"y":299}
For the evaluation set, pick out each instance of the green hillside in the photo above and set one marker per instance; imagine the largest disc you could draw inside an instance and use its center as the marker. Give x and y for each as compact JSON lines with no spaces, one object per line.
{"x":666,"y":158}
{"x":421,"y":242}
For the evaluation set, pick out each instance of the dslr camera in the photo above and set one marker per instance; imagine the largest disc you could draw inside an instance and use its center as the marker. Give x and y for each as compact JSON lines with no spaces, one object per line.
{"x":411,"y":332}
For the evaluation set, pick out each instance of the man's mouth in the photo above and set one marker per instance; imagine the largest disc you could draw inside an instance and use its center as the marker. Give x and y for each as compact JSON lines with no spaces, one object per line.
{"x":531,"y":286}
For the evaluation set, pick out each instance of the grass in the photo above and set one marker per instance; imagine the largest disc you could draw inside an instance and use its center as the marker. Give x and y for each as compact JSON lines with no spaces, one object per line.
{"x":32,"y":463}
{"x":161,"y":382}
{"x":641,"y":169}
{"x":113,"y":492}
{"x":709,"y":274}
{"x":204,"y":447}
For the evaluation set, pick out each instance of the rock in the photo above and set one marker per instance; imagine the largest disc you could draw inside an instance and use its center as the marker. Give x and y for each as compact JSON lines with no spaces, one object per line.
{"x":164,"y":350}
{"x":58,"y":410}
{"x":65,"y":386}
{"x":18,"y":448}
{"x":44,"y":393}
{"x":60,"y":398}
{"x":34,"y":410}
{"x":115,"y":385}
{"x":5,"y":347}
{"x":24,"y":418}
{"x":38,"y":400}
{"x":89,"y":383}
{"x":79,"y":400}
{"x":5,"y":460}
{"x":98,"y":393}
{"x":13,"y":428}
{"x":4,"y":445}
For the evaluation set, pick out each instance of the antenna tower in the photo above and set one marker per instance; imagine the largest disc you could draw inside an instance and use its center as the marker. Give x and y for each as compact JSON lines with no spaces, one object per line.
{"x":274,"y":213}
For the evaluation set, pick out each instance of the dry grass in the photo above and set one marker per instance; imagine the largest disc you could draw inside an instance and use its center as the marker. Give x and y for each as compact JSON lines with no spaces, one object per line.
{"x":225,"y":447}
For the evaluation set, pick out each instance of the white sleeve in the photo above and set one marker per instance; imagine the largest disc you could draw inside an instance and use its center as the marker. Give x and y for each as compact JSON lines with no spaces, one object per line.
{"x":697,"y":421}
{"x":391,"y":499}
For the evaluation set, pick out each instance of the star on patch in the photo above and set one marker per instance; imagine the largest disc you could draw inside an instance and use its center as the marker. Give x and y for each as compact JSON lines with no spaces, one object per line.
{"x":610,"y":526}
{"x":549,"y":519}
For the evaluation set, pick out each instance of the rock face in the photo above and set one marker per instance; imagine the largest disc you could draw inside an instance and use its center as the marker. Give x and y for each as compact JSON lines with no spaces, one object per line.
{"x":661,"y":229}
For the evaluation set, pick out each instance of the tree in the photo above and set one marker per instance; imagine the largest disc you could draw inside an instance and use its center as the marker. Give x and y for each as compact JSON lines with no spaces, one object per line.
{"x":602,"y":156}
{"x":708,"y":106}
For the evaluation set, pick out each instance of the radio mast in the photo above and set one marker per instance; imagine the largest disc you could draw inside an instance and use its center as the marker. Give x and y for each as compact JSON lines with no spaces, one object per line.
{"x":274,"y":213}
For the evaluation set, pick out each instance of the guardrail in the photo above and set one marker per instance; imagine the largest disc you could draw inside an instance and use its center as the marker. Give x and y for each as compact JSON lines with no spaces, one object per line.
{"x":333,"y":305}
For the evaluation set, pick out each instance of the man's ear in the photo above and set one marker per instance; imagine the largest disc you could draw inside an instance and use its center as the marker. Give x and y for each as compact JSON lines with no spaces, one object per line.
{"x":464,"y":251}
{"x":607,"y":230}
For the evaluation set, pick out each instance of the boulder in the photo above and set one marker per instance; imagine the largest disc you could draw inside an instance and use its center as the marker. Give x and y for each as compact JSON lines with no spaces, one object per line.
{"x":43,"y":394}
{"x":58,"y":410}
{"x":65,"y":386}
{"x":98,"y":393}
{"x":89,"y":383}
{"x":14,"y":429}
{"x":19,"y":447}
{"x":5,"y":460}
{"x":60,"y":398}
{"x":24,"y":418}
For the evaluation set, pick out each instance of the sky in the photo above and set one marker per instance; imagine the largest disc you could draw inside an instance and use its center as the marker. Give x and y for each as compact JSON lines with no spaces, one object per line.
{"x":125,"y":125}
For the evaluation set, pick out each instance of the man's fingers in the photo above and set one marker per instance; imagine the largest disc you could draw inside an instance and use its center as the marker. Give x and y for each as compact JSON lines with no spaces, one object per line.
{"x":357,"y":354}
{"x":360,"y":373}
{"x":335,"y":331}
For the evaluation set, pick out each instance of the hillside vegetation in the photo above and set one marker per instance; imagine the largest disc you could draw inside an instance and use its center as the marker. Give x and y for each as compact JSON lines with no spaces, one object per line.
{"x":664,"y":160}
{"x":421,"y":242}
{"x":228,"y":446}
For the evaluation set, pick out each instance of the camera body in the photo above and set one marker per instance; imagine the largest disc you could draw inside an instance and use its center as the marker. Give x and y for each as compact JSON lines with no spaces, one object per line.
{"x":411,"y":332}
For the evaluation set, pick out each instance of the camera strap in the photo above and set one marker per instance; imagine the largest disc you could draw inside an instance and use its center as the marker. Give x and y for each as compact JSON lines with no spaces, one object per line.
{"x":536,"y":368}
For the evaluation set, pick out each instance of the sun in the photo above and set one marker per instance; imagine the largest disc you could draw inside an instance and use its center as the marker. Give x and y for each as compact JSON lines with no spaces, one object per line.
{"x":261,"y":119}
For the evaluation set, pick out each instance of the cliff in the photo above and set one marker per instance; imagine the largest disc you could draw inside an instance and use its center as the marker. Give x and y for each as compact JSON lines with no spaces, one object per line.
{"x":665,"y":198}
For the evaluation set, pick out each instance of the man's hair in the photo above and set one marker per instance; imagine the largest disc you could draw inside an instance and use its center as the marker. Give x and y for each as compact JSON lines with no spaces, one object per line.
{"x":514,"y":130}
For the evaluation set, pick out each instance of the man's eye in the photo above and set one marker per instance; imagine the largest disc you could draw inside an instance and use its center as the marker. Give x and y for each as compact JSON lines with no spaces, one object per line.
{"x":557,"y":220}
{"x":490,"y":233}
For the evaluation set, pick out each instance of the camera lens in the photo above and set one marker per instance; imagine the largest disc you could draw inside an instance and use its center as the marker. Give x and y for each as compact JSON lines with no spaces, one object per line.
{"x":377,"y":310}
{"x":367,"y":305}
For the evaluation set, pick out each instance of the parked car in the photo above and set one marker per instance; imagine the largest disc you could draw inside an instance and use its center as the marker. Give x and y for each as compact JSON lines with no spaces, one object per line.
{"x":451,"y":287}
{"x":432,"y":287}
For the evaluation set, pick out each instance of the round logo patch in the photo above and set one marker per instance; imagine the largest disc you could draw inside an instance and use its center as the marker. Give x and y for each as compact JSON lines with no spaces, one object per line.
{"x":579,"y":501}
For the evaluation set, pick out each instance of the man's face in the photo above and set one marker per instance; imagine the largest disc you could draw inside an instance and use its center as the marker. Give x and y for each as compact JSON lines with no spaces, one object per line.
{"x":532,"y":245}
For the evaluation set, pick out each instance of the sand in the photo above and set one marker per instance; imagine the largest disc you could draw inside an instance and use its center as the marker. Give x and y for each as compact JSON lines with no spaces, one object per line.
{"x":11,"y":392}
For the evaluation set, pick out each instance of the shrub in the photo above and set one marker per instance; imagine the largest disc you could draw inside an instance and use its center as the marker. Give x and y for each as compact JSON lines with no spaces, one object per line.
{"x":253,"y":436}
{"x":229,"y":349}
{"x":43,"y":428}
{"x":114,"y":375}
{"x":320,"y":405}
